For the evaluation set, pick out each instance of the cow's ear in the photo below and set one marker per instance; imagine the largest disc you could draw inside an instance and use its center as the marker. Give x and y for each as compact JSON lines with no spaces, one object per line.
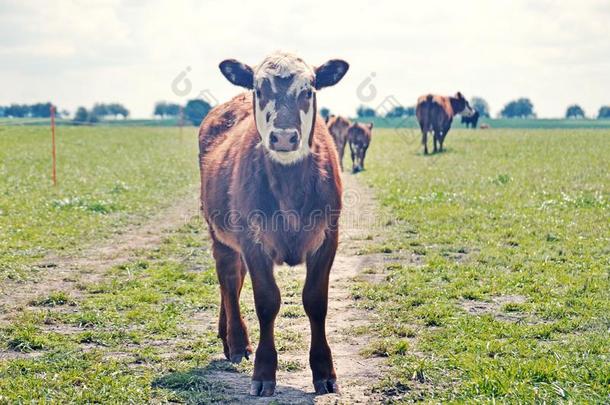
{"x":459,"y":95}
{"x":237,"y":73}
{"x":370,"y":126}
{"x":330,"y":73}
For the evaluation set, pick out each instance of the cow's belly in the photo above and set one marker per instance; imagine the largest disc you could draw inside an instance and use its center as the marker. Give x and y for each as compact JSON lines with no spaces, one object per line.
{"x":290,"y":247}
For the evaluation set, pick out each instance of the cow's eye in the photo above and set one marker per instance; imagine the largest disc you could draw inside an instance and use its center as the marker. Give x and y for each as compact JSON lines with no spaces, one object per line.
{"x":258,"y":93}
{"x":309,"y":93}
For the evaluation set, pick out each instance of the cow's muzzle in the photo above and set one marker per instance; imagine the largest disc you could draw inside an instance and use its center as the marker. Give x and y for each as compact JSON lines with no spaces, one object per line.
{"x":284,"y":140}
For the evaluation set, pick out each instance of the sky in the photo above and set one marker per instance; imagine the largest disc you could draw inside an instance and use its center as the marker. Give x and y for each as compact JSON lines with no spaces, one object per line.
{"x":77,"y":53}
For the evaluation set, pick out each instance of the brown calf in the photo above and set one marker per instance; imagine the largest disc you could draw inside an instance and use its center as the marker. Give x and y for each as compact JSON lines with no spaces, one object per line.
{"x":271,"y":194}
{"x":435,"y":113}
{"x":337,"y":126}
{"x":359,"y":138}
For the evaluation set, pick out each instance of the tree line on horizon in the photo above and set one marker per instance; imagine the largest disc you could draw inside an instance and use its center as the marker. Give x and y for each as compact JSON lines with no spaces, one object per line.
{"x":37,"y":110}
{"x":519,"y":108}
{"x":100,"y":111}
{"x":196,"y":109}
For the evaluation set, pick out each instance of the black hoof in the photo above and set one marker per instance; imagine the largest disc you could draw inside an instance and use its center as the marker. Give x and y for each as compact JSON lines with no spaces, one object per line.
{"x":326,"y":386}
{"x":262,"y":388}
{"x":236,"y":358}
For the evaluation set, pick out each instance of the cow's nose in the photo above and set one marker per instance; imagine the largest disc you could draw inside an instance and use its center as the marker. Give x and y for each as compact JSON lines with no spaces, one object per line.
{"x":284,"y":140}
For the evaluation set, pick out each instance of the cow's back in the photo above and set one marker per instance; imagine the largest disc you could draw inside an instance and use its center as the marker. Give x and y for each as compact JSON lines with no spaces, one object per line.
{"x":433,"y":110}
{"x":359,"y":134}
{"x":227,"y":132}
{"x":337,"y":127}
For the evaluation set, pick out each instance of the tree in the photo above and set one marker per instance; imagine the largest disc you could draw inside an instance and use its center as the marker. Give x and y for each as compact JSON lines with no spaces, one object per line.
{"x":81,"y":115}
{"x":100,"y":110}
{"x":40,"y":110}
{"x":521,"y":108}
{"x":160,"y":109}
{"x":164,"y":109}
{"x":117,"y":109}
{"x":196,"y":110}
{"x":604,"y":112}
{"x":575,"y":111}
{"x":479,"y":104}
{"x":400,"y":111}
{"x":324,"y":112}
{"x":365,"y":112}
{"x":172,"y":109}
{"x":409,"y":111}
{"x":395,"y":112}
{"x":17,"y":110}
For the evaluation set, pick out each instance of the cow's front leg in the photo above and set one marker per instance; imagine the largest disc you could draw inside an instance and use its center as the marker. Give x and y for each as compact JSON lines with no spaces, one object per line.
{"x":231,"y":326}
{"x":267,"y":303}
{"x":315,"y":301}
{"x":341,"y":154}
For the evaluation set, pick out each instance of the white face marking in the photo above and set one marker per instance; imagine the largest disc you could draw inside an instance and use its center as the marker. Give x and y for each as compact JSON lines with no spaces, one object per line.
{"x":284,"y":65}
{"x":467,"y":111}
{"x":307,"y":123}
{"x":299,"y":83}
{"x":264,"y":120}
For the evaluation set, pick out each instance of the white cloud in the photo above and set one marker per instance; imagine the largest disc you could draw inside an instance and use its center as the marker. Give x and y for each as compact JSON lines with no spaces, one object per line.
{"x":79,"y":52}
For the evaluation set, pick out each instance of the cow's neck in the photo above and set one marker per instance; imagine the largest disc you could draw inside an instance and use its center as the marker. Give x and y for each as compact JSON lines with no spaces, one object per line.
{"x":290,"y":184}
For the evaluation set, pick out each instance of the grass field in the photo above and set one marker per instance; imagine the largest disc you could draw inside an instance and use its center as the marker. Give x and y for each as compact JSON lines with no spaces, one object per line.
{"x":108,"y":178}
{"x":506,"y":293}
{"x":496,"y":287}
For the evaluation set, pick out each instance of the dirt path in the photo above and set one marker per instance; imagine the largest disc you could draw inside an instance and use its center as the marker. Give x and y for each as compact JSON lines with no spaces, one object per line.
{"x":66,"y":273}
{"x":355,"y":373}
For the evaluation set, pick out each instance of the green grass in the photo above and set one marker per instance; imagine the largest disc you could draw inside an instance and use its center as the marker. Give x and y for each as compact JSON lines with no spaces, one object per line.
{"x":108,"y":177}
{"x":511,"y":300}
{"x":127,"y":339}
{"x":503,"y":293}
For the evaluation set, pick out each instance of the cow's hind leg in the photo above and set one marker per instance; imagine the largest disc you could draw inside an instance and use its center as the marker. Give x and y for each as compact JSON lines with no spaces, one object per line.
{"x":443,"y":136}
{"x":437,"y":139}
{"x":424,"y":138}
{"x":267,"y":303}
{"x":315,"y":301}
{"x":231,"y":326}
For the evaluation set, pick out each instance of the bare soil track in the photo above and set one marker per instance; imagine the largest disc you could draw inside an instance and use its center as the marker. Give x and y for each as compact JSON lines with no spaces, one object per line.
{"x":65,"y":273}
{"x":356,"y":373}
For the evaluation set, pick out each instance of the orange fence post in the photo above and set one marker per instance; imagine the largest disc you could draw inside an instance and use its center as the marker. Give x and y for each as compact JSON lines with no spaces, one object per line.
{"x":54,"y":175}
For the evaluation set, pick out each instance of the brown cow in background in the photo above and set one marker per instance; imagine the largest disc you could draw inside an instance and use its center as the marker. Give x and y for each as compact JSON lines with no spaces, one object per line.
{"x":359,"y":138}
{"x":435,"y":113}
{"x":338,"y":126}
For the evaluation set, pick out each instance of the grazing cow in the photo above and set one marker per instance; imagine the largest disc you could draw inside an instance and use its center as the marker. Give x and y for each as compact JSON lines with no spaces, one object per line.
{"x":471,"y":121}
{"x":271,"y":194}
{"x":359,"y":138}
{"x":485,"y":126}
{"x":337,"y":126}
{"x":435,"y":113}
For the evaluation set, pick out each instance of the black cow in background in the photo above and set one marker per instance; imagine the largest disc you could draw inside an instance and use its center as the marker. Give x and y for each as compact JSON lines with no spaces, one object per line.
{"x":471,"y":121}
